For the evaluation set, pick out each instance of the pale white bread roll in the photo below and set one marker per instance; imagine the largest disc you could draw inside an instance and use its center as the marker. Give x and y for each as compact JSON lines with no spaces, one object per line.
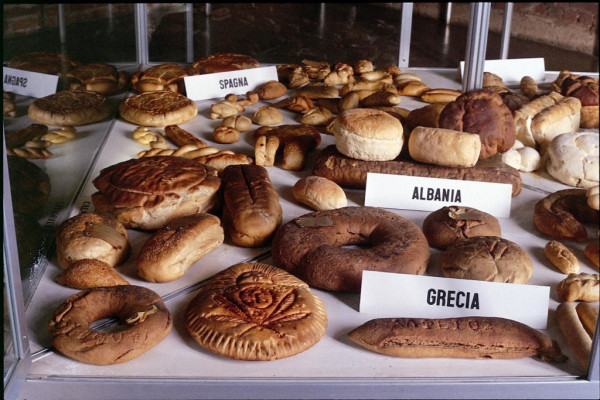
{"x":319,"y":193}
{"x":368,"y":134}
{"x":524,"y":115}
{"x":531,"y":160}
{"x":170,"y":252}
{"x":563,"y":117}
{"x":445,"y":147}
{"x":593,"y":197}
{"x":573,"y":158}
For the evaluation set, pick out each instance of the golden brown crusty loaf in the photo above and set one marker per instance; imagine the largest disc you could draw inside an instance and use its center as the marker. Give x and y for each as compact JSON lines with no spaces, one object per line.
{"x":466,"y":337}
{"x":251,"y":209}
{"x":255,"y":311}
{"x":170,"y":252}
{"x":146,"y":193}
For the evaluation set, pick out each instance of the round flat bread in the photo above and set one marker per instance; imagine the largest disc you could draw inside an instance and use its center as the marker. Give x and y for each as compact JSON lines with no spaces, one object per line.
{"x":254,"y":311}
{"x":223,"y":62}
{"x":70,"y":108}
{"x":158,"y":108}
{"x":147,"y":193}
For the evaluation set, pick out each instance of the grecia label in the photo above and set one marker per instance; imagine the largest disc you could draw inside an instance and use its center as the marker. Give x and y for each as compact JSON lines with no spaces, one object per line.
{"x":430,"y":194}
{"x":415,"y":296}
{"x":220,"y":84}
{"x":27,"y":83}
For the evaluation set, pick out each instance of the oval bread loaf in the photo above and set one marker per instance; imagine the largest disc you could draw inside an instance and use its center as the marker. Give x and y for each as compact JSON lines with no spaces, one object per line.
{"x":445,"y":147}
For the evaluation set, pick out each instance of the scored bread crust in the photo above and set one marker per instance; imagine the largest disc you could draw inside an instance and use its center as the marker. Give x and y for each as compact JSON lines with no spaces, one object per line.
{"x":465,"y":337}
{"x":70,"y":108}
{"x":158,"y":108}
{"x":223,"y":62}
{"x":255,"y":311}
{"x":148,"y":192}
{"x":251,"y":208}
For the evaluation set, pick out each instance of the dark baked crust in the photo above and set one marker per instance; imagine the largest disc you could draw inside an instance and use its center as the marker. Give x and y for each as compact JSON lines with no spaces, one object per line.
{"x":43,"y":62}
{"x":29,"y":185}
{"x":444,"y":226}
{"x":349,"y":172}
{"x":563,"y":214}
{"x":487,"y":258}
{"x":316,"y":254}
{"x":70,"y":108}
{"x":223,"y":62}
{"x":147,"y":192}
{"x":254,"y":311}
{"x":482,"y":112}
{"x":251,"y":208}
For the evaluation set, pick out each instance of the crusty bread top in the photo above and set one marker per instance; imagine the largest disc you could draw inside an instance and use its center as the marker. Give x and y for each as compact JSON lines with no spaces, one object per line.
{"x":144,"y":181}
{"x":222,"y":62}
{"x":93,"y":72}
{"x":368,"y":123}
{"x":164,"y":73}
{"x":43,"y":62}
{"x":70,"y":107}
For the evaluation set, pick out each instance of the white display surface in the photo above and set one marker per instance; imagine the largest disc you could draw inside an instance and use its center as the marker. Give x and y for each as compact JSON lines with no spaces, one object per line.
{"x":178,"y":356}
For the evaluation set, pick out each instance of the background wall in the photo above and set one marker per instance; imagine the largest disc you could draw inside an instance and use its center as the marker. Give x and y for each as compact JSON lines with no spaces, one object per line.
{"x":571,"y":26}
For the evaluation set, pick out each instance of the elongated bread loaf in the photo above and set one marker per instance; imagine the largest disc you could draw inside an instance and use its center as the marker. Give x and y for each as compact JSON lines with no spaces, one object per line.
{"x":466,"y":337}
{"x":573,"y":330}
{"x":251,"y":209}
{"x":348,"y":172}
{"x":444,"y":147}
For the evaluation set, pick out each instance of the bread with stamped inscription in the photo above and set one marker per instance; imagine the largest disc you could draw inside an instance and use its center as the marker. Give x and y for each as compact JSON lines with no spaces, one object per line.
{"x":465,"y":337}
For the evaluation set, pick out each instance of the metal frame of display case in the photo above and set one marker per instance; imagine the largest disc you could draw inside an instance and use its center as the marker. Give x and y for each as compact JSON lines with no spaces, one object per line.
{"x":384,"y":388}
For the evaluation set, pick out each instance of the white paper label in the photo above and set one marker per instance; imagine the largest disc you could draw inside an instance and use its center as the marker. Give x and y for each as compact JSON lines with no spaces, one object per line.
{"x":390,"y":295}
{"x":220,"y":84}
{"x":430,"y":194}
{"x":27,"y":83}
{"x":512,"y":70}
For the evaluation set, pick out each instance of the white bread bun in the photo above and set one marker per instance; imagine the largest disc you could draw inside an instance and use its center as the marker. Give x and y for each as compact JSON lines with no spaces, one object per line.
{"x":368,"y":134}
{"x":319,"y":193}
{"x":171,"y":251}
{"x":563,"y":117}
{"x":445,"y":147}
{"x":573,"y":159}
{"x":593,"y":197}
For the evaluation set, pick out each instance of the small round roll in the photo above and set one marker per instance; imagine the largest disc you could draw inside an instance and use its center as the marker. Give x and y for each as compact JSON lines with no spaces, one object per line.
{"x":445,"y":147}
{"x":319,"y":193}
{"x":171,"y":251}
{"x":368,"y":134}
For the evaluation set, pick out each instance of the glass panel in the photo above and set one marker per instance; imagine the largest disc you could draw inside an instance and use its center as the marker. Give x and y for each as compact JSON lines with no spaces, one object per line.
{"x":10,"y":352}
{"x":92,"y":32}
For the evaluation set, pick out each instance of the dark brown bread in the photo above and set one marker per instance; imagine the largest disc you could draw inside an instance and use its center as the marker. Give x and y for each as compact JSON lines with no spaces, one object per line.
{"x":349,"y":172}
{"x":466,"y":337}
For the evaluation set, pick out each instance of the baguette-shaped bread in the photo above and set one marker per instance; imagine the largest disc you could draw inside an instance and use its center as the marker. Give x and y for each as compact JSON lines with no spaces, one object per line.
{"x":563,"y":117}
{"x":466,"y":337}
{"x":524,"y":115}
{"x":251,"y":209}
{"x":573,"y":330}
{"x":588,"y":315}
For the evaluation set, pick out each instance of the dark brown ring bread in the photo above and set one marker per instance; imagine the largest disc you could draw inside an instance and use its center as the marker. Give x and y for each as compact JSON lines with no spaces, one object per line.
{"x":312,"y":246}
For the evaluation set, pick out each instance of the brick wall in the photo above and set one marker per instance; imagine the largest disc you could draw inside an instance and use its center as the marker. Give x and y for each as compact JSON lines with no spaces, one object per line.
{"x":572,"y":26}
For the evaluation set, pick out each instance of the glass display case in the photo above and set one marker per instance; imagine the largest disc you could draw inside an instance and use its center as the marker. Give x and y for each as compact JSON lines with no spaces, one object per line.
{"x":177,"y":368}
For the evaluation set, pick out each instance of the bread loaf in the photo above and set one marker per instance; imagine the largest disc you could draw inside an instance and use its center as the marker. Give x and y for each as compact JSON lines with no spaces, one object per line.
{"x":251,"y":209}
{"x":467,"y":337}
{"x":444,"y":147}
